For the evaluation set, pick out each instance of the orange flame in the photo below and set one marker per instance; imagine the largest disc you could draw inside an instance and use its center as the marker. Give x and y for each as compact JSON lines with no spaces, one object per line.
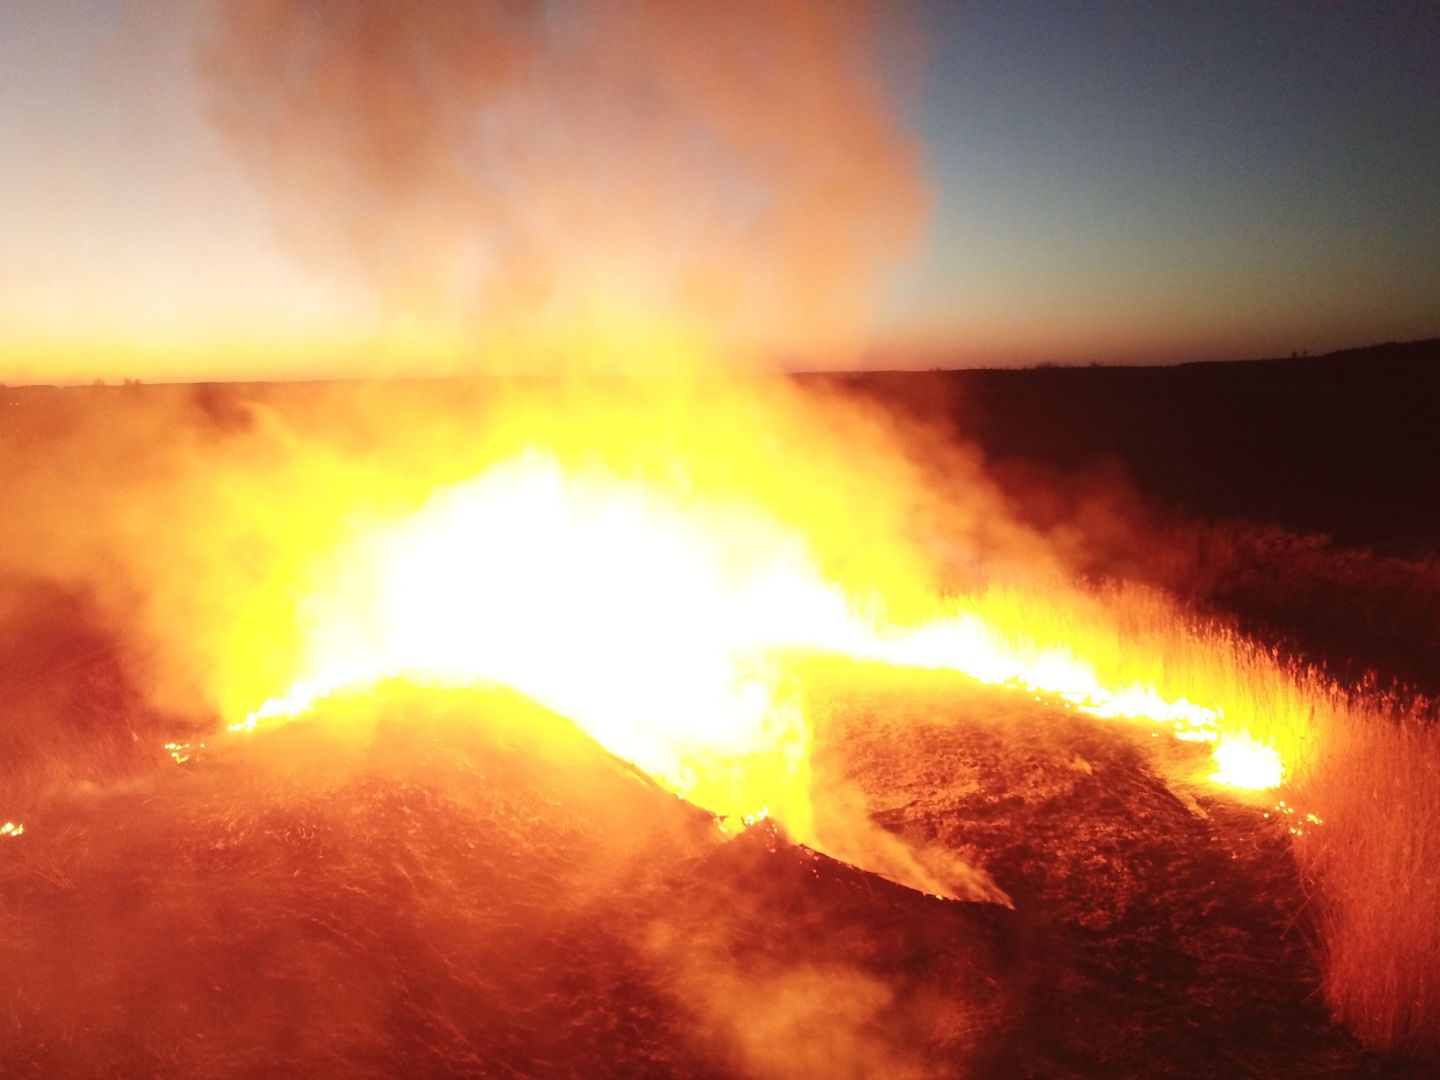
{"x":660,"y":625}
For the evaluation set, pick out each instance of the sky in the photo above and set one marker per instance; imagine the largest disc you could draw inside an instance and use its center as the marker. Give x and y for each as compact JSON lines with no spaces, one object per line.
{"x":1107,"y":182}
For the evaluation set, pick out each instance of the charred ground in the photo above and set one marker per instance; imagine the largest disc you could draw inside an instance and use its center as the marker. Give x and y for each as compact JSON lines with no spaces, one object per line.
{"x":470,"y":887}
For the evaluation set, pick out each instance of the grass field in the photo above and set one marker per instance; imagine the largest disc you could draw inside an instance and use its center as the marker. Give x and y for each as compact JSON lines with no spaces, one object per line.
{"x":1291,"y":508}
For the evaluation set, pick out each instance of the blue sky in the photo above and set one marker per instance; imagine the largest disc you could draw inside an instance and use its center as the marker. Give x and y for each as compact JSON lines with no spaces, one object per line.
{"x":1172,"y":180}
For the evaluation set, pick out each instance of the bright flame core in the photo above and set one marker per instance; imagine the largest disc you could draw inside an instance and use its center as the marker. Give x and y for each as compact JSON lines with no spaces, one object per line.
{"x":660,"y":624}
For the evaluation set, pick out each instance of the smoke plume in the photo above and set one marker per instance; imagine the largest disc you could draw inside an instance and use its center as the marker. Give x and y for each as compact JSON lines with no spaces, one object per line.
{"x":613,"y":180}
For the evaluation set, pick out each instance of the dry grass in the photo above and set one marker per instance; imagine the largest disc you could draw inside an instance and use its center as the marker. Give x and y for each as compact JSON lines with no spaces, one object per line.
{"x":1376,"y":866}
{"x":1366,"y":764}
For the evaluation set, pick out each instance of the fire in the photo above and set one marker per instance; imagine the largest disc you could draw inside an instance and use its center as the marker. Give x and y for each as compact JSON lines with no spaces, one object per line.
{"x":660,"y":622}
{"x":1244,"y":763}
{"x":652,"y":628}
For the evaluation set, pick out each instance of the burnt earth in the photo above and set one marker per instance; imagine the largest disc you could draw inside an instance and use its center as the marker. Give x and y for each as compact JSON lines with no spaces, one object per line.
{"x":464,"y":886}
{"x":462,"y":889}
{"x":1163,"y":927}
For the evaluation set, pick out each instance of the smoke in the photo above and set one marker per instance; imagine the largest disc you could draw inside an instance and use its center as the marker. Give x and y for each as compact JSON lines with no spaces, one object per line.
{"x":798,"y":1022}
{"x":620,"y":183}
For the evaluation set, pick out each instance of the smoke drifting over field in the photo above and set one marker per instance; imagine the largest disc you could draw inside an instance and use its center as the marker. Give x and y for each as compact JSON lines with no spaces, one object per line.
{"x":641,"y":187}
{"x":578,"y":181}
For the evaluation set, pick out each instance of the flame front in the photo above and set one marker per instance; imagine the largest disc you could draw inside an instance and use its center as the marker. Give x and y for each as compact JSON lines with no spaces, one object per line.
{"x":661,"y":625}
{"x":655,"y":630}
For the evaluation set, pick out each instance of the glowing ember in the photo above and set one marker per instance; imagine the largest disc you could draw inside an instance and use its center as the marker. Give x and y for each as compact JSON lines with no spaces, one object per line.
{"x":660,"y":625}
{"x":1297,"y":822}
{"x":11,"y":828}
{"x":181,"y":752}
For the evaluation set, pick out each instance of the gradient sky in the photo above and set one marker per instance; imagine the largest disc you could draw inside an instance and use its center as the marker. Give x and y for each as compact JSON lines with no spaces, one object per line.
{"x":1111,"y":181}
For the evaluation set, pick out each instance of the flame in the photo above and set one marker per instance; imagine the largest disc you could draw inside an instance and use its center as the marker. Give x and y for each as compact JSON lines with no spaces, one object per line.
{"x":181,"y":752}
{"x":1244,"y":763}
{"x":661,"y":623}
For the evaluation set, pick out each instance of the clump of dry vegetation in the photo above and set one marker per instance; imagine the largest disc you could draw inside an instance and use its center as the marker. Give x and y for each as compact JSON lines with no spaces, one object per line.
{"x":1361,"y":800}
{"x":1375,"y":864}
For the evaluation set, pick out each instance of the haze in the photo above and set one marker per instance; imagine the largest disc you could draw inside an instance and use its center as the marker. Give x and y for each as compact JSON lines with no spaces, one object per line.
{"x":1090,"y":182}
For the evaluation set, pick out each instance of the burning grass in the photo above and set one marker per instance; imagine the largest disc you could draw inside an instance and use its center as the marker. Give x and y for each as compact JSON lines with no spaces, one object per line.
{"x":1375,"y":865}
{"x":1361,"y":797}
{"x":641,"y":563}
{"x":655,"y":560}
{"x":409,"y":881}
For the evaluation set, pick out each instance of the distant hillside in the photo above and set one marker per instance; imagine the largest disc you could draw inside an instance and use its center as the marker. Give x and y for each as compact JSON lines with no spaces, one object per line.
{"x":1390,"y":354}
